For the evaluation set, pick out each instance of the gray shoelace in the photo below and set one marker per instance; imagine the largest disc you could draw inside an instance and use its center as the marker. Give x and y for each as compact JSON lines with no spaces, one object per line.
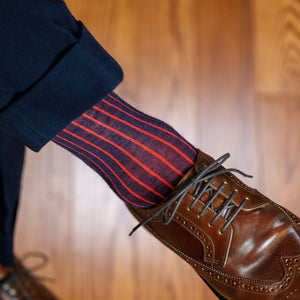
{"x":204,"y":176}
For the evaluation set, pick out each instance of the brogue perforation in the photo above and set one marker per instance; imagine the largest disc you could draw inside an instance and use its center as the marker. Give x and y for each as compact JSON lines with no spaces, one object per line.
{"x":256,"y":256}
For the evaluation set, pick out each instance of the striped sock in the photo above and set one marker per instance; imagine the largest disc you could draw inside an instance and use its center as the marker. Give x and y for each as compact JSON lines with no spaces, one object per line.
{"x":140,"y":157}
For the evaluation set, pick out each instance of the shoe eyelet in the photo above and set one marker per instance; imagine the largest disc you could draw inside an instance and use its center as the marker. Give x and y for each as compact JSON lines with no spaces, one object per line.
{"x":210,"y":225}
{"x":198,"y":216}
{"x":188,"y":209}
{"x":12,"y":292}
{"x":225,"y":182}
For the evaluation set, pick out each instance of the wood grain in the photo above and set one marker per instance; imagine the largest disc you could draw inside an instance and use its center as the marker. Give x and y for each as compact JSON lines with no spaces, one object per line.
{"x":277,"y":51}
{"x":225,"y":74}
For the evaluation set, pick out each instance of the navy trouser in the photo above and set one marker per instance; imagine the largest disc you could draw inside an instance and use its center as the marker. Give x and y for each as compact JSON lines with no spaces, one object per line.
{"x":11,"y":164}
{"x":51,"y":71}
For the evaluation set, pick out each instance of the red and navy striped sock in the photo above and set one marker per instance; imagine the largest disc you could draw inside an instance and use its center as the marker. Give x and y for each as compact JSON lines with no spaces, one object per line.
{"x":140,"y":157}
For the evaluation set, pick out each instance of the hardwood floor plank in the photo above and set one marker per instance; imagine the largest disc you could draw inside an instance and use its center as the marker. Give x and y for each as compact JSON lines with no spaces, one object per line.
{"x":279,"y":140}
{"x":277,"y":91}
{"x":277,"y":52}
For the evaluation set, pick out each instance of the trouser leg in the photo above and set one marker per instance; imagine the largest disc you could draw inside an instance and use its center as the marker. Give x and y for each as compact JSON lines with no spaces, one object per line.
{"x":11,"y":164}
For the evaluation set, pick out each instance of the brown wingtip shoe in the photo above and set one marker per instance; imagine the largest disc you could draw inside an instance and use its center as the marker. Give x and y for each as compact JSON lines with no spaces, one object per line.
{"x":241,"y":243}
{"x":18,"y":283}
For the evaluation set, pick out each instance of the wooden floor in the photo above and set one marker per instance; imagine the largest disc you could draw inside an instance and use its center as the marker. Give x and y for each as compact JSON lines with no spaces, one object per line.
{"x":225,"y":74}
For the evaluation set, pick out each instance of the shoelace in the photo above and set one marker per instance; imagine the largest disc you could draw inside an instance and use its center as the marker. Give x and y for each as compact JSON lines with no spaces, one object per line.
{"x":12,"y":287}
{"x":205,"y":176}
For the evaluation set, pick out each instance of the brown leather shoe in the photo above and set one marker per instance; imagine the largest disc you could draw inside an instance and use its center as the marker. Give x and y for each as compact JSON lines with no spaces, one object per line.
{"x":241,"y":243}
{"x":18,"y":283}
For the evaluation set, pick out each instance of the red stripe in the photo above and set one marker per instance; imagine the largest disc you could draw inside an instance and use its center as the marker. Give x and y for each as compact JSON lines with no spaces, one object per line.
{"x":134,"y":110}
{"x":147,"y":133}
{"x":134,"y":141}
{"x":127,"y":153}
{"x":136,"y":195}
{"x":150,"y":124}
{"x":113,"y":158}
{"x":94,"y":168}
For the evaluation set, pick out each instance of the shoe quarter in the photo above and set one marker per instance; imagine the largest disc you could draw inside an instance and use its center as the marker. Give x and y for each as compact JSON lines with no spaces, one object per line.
{"x":216,"y":245}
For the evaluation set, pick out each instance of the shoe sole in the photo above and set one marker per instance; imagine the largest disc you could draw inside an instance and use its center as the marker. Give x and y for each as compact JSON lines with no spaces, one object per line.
{"x":213,"y":290}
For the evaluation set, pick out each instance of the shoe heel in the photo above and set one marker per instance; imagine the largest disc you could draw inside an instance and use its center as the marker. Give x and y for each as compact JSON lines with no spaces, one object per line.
{"x":213,"y":290}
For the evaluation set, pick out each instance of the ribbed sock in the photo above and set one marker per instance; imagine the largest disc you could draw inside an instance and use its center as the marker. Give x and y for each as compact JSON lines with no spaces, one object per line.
{"x":140,"y":157}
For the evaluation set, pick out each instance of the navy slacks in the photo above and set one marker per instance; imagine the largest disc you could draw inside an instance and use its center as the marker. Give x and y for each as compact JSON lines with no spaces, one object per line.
{"x":11,"y":164}
{"x":51,"y":71}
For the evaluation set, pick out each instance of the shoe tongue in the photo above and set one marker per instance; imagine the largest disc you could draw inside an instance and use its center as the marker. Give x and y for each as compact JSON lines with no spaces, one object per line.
{"x":186,"y":177}
{"x":203,"y":160}
{"x":218,"y":201}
